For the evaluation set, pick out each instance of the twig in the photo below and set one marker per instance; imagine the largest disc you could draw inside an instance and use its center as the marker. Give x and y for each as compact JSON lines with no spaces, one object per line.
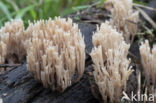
{"x":146,"y":7}
{"x":139,"y":82}
{"x":93,"y":21}
{"x":146,"y":17}
{"x":132,"y":22}
{"x":9,"y":65}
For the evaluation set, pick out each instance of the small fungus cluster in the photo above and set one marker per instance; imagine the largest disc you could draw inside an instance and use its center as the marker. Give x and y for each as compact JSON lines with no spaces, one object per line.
{"x":111,"y":66}
{"x":12,"y":39}
{"x":148,"y":59}
{"x":124,"y":18}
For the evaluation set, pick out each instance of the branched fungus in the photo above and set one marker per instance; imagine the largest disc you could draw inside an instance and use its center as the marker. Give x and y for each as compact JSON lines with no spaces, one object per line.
{"x":124,"y":18}
{"x":56,"y":53}
{"x":12,"y":42}
{"x":148,"y":58}
{"x":111,"y":66}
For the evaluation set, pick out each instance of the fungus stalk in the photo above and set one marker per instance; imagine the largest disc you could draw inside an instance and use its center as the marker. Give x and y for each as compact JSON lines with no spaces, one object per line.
{"x":56,"y":53}
{"x":2,"y":53}
{"x":111,"y":66}
{"x":148,"y":59}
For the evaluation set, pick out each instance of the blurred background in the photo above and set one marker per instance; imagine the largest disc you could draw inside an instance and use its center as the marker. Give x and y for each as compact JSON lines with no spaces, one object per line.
{"x":43,"y":9}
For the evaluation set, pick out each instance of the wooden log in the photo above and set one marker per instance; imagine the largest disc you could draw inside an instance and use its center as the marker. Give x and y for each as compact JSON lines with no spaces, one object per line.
{"x":18,"y":86}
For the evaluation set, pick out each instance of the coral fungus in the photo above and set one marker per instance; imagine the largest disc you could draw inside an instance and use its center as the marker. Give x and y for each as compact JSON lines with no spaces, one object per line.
{"x":56,"y":53}
{"x":111,"y":66}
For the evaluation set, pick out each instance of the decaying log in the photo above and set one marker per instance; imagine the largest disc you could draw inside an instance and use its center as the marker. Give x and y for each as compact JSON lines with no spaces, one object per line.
{"x":18,"y":86}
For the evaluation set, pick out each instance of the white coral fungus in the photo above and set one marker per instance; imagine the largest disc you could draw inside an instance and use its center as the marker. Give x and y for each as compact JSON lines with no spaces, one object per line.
{"x":56,"y":53}
{"x":111,"y":66}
